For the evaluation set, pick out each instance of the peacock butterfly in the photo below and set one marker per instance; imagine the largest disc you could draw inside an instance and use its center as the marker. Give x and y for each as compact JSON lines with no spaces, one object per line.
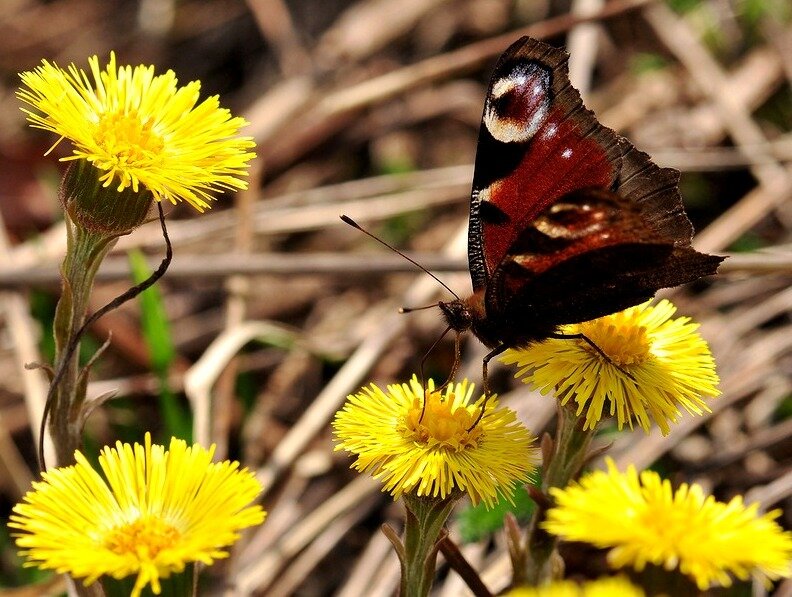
{"x":568,"y":221}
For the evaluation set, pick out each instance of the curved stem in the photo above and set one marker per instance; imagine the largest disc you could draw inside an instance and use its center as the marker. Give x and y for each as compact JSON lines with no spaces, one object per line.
{"x":66,"y":395}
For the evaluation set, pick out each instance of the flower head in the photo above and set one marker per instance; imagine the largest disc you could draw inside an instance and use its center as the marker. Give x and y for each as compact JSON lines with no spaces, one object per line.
{"x":657,"y":366}
{"x":644,"y":521}
{"x":139,"y":129}
{"x":602,"y":587}
{"x":441,"y":452}
{"x":154,"y":511}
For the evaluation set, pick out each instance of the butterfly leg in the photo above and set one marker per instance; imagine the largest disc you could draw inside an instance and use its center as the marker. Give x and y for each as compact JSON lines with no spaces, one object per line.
{"x":484,"y":366}
{"x":457,"y":361}
{"x":593,"y":345}
{"x":450,"y":377}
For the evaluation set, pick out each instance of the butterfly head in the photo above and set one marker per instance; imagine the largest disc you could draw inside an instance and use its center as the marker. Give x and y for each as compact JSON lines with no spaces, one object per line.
{"x":470,"y":314}
{"x":458,"y":315}
{"x":466,"y":314}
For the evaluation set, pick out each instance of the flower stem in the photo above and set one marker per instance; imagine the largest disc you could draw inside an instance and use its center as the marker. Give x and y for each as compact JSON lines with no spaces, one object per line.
{"x":422,"y":534}
{"x":85,"y":251}
{"x":570,"y":448}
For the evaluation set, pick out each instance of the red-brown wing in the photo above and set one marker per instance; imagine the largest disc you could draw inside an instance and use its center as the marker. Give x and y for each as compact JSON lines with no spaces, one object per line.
{"x":537,"y":143}
{"x":568,"y":221}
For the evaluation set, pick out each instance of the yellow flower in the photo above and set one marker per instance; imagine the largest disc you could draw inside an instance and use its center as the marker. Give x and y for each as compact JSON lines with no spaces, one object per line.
{"x":658,"y":365}
{"x":154,"y":511}
{"x":602,"y":587}
{"x":645,"y":521}
{"x":441,"y":453}
{"x":140,"y":129}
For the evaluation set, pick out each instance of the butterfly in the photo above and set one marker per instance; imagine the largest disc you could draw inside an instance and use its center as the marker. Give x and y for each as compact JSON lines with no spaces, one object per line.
{"x":568,"y":220}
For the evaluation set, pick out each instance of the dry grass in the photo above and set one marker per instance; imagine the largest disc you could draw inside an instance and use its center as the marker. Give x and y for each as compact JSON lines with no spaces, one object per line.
{"x":371,"y":108}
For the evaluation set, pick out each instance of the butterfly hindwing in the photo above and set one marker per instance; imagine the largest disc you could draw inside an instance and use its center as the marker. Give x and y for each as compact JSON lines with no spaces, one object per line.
{"x":590,"y":254}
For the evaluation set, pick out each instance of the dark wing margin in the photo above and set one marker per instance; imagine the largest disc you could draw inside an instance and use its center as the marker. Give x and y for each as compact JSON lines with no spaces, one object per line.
{"x":656,"y":191}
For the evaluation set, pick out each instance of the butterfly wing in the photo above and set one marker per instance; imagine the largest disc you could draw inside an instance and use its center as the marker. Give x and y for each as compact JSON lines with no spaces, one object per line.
{"x":537,"y":143}
{"x":568,"y":220}
{"x":590,"y":254}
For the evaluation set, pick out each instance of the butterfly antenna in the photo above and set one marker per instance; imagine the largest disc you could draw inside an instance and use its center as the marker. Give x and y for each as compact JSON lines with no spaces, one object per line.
{"x":411,"y":309}
{"x":354,"y":224}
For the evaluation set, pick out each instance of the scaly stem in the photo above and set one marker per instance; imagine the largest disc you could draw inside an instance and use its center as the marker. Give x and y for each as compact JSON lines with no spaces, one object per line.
{"x":424,"y":523}
{"x":84,"y":253}
{"x":570,"y":448}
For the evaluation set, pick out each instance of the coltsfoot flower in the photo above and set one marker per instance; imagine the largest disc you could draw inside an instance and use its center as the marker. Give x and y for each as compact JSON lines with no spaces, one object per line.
{"x":644,"y":521}
{"x":154,"y":511}
{"x":441,"y":453}
{"x":140,"y":130}
{"x":658,"y":366}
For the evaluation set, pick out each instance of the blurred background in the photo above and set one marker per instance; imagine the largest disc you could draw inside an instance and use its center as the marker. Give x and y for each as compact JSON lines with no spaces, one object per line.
{"x":274,"y":310}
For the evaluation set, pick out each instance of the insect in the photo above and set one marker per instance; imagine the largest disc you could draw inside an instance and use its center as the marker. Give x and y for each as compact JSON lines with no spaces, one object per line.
{"x":568,"y":220}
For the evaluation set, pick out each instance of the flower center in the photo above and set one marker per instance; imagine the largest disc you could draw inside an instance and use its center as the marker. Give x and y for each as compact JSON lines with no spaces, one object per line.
{"x":624,"y":342}
{"x":145,"y":537}
{"x":442,"y":426}
{"x":668,"y":525}
{"x":127,"y":137}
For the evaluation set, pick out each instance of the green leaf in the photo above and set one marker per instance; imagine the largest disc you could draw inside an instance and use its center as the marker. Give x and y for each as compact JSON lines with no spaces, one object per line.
{"x":646,"y":62}
{"x":476,"y":522}
{"x":156,"y":333}
{"x":683,"y":6}
{"x":156,"y":330}
{"x":784,"y":410}
{"x":750,"y":241}
{"x":42,"y":308}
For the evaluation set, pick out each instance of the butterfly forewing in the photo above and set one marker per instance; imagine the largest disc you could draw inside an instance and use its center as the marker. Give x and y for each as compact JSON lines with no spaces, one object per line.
{"x":537,"y":143}
{"x":656,"y":191}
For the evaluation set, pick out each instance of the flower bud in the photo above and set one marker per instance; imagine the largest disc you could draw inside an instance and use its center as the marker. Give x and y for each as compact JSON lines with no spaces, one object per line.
{"x":99,"y":208}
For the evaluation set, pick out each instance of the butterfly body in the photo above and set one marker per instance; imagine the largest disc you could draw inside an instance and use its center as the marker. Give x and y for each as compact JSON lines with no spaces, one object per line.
{"x":470,"y":314}
{"x":568,"y":221}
